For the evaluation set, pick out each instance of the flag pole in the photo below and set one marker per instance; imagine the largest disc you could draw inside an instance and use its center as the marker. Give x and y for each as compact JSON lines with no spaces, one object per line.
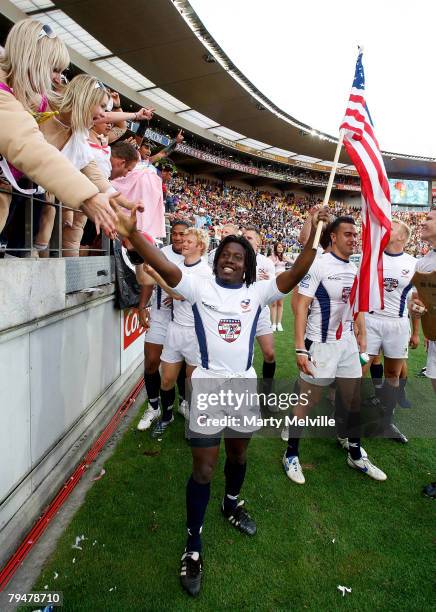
{"x":329,"y":187}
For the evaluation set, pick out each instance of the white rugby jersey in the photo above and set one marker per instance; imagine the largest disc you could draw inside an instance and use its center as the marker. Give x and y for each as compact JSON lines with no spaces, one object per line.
{"x":211,"y":257}
{"x":398,"y":271}
{"x":329,"y":282}
{"x":182,"y":310}
{"x":159,"y":294}
{"x":264,"y":264}
{"x":427,"y":263}
{"x":226,"y":319}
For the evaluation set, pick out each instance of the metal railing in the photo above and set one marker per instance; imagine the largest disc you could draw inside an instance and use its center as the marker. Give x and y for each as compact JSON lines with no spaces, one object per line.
{"x":21,"y":221}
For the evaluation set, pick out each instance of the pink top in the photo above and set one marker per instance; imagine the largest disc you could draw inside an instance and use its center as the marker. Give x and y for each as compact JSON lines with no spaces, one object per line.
{"x":146,"y":186}
{"x":17,"y":174}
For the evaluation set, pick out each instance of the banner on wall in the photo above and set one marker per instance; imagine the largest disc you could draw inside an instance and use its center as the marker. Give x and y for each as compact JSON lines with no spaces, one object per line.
{"x":132,"y":337}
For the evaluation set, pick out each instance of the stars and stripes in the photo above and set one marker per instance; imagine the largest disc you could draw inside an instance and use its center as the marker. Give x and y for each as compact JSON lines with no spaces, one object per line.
{"x":363,"y":149}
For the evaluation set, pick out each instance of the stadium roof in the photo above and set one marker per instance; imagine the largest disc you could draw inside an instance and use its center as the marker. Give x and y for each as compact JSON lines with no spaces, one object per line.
{"x":160,"y":49}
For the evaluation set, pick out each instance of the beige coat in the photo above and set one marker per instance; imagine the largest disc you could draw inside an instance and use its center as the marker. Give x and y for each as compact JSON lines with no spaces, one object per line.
{"x":24,"y":146}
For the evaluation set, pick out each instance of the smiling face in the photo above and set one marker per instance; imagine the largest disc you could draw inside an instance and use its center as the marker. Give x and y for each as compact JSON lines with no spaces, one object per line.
{"x":191,"y":246}
{"x":231,"y":264}
{"x":177,"y":236}
{"x":98,"y":110}
{"x":344,"y":240}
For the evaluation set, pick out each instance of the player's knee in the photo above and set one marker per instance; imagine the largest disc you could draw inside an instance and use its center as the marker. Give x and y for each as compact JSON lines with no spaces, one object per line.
{"x":151,"y":364}
{"x":203,"y":472}
{"x":269,"y":355}
{"x":167,"y":382}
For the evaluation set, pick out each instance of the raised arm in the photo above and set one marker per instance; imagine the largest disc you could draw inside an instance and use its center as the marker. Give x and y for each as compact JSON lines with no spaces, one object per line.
{"x":126,"y":226}
{"x":286,"y":281}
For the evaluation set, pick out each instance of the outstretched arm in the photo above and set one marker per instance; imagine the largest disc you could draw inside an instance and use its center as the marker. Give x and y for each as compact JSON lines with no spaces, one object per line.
{"x":286,"y":281}
{"x":126,"y":226}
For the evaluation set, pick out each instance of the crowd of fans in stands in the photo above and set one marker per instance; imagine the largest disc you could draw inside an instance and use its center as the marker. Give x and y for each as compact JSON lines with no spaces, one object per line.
{"x":279,"y":216}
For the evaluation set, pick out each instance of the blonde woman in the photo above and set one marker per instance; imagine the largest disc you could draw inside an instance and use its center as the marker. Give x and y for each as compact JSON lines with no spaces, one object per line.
{"x":83,"y":101}
{"x":33,"y":57}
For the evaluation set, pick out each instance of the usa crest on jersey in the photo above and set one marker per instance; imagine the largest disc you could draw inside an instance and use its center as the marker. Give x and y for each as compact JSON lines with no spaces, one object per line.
{"x":229,"y":329}
{"x":390,"y":284}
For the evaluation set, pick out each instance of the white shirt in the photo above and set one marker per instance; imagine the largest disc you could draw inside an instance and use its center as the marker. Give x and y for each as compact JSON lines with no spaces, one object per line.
{"x":329,"y":282}
{"x":398,"y":271}
{"x":226,"y":319}
{"x":427,"y":263}
{"x":264,"y":264}
{"x":160,"y":295}
{"x":211,"y":257}
{"x":182,"y":310}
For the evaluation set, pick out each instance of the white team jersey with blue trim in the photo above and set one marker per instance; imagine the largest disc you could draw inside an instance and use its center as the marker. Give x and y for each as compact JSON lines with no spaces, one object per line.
{"x":398,"y":271}
{"x":226,"y":319}
{"x":159,"y":295}
{"x":263,"y":264}
{"x":329,"y":282}
{"x":182,"y":310}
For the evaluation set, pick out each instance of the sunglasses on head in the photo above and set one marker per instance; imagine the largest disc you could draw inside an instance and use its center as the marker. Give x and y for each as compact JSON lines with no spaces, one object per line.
{"x":48,"y":31}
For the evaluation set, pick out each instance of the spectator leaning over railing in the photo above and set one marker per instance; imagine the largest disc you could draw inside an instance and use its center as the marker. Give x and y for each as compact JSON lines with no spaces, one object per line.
{"x":83,"y":101}
{"x":33,"y":58}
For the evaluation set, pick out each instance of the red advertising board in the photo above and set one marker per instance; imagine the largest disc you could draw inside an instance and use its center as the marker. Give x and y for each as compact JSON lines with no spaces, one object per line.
{"x":132,"y":327}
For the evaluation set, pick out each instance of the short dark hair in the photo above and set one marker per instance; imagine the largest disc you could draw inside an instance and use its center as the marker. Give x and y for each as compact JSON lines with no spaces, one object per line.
{"x":180,"y":222}
{"x":124,"y":150}
{"x":249,"y":261}
{"x":334,"y":225}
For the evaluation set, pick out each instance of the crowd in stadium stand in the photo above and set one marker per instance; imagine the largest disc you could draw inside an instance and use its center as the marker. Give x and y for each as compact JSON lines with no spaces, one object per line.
{"x":279,"y":217}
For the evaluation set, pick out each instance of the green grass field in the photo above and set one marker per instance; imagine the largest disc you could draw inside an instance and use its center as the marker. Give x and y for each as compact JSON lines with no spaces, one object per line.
{"x":340,"y":528}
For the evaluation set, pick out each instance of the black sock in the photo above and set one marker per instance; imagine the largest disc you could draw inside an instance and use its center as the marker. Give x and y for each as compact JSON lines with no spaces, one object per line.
{"x":341,"y":417}
{"x":167,"y":400}
{"x":268,"y":369}
{"x":376,"y":370}
{"x":197,"y":498}
{"x":235,"y":474}
{"x":181,"y":383}
{"x":152,"y":385}
{"x":402,"y":389}
{"x":293,"y":447}
{"x":353,"y":430}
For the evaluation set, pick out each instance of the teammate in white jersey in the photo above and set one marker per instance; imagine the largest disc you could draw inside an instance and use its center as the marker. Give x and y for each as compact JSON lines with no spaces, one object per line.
{"x":180,"y":343}
{"x":264,"y":332}
{"x":388,"y":330}
{"x":228,"y":230}
{"x":326,"y":346}
{"x":160,"y":317}
{"x":226,"y":309}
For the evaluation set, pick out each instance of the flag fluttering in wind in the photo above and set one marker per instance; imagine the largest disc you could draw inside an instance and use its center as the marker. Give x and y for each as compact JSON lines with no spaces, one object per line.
{"x":362,"y":147}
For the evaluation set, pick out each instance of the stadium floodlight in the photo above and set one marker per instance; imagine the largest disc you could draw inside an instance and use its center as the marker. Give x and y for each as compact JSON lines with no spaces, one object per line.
{"x":117,"y":68}
{"x":73,"y":34}
{"x":159,"y":96}
{"x":32,"y":5}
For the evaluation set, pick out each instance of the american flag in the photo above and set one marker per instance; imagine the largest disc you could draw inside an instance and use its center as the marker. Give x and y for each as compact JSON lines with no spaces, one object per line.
{"x":362,"y":147}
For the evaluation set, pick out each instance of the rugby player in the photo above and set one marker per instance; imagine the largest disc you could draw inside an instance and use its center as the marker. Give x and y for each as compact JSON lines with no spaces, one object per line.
{"x":388,"y":330}
{"x":228,"y":230}
{"x":323,"y":355}
{"x":180,"y":343}
{"x":265,"y":270}
{"x":226,"y":309}
{"x":160,"y":317}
